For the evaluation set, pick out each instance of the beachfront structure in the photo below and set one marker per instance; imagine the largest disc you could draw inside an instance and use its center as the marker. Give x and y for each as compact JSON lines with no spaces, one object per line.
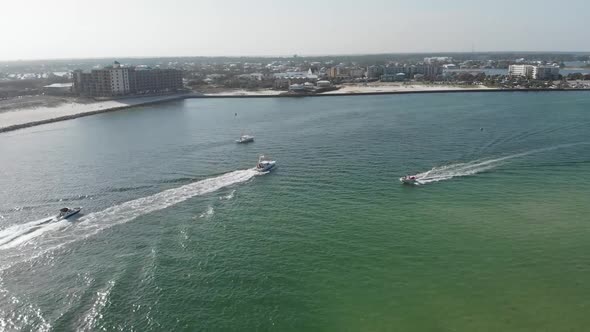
{"x":297,"y":75}
{"x":58,"y":89}
{"x":374,"y":71}
{"x":393,"y":77}
{"x":546,"y":72}
{"x":117,"y":80}
{"x":286,"y":79}
{"x":409,"y":71}
{"x":521,"y":70}
{"x":357,"y":72}
{"x":534,"y":72}
{"x":342,"y":72}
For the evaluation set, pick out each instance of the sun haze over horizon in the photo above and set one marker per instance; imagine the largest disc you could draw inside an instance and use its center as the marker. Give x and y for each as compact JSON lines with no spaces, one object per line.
{"x":63,"y":29}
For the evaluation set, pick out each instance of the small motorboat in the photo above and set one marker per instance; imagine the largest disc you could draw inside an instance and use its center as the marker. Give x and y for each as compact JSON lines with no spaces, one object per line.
{"x":409,"y":179}
{"x":245,"y":139}
{"x":65,"y":213}
{"x":265,"y":165}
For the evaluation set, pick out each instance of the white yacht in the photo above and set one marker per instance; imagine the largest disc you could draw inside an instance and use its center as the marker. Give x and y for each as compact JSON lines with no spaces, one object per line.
{"x":265,"y":165}
{"x":65,"y":213}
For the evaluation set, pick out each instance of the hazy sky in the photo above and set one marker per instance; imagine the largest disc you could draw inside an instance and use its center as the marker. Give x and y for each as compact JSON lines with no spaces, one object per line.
{"x":38,"y":29}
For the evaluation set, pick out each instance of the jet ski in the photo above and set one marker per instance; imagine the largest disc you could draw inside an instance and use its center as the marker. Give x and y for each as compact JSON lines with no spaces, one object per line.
{"x":65,"y":213}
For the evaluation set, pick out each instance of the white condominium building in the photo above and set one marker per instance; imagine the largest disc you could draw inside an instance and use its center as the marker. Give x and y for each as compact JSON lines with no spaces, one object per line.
{"x":534,"y":72}
{"x":521,"y":70}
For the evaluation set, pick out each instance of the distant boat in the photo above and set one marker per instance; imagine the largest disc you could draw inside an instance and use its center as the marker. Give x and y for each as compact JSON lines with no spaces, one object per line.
{"x":409,"y":179}
{"x":245,"y":139}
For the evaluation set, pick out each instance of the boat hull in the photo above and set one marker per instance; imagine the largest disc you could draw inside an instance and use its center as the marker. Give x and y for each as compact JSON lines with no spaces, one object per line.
{"x":247,"y":140}
{"x":70,"y":213}
{"x":267,"y":167}
{"x":411,"y":182}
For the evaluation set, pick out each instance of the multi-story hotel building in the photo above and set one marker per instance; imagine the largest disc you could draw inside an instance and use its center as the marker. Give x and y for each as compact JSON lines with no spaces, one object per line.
{"x":116,"y":81}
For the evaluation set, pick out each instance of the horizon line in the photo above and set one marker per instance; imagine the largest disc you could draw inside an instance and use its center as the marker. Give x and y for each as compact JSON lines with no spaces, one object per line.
{"x":290,"y":56}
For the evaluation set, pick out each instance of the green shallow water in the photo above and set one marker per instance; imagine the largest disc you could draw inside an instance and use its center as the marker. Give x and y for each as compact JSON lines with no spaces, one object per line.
{"x":178,"y":235}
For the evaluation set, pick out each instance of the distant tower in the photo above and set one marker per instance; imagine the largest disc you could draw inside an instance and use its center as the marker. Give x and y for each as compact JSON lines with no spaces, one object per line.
{"x":116,"y":64}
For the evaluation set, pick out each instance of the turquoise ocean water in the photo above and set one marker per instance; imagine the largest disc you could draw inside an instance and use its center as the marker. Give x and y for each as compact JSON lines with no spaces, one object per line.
{"x":178,"y":233}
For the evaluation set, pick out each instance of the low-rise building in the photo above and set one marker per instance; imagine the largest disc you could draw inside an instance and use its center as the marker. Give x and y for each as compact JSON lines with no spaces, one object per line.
{"x":58,"y":89}
{"x":409,"y":71}
{"x":251,"y":77}
{"x":393,"y":77}
{"x":297,"y":75}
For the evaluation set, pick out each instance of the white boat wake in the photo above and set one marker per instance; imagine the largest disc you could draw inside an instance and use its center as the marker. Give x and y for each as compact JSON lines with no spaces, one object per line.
{"x":228,"y":196}
{"x":477,"y":166}
{"x":14,"y":239}
{"x":12,"y":232}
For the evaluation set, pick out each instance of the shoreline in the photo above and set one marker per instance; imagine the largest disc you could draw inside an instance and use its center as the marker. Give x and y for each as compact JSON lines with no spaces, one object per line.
{"x":376,"y":93}
{"x":97,"y":108}
{"x":84,"y":110}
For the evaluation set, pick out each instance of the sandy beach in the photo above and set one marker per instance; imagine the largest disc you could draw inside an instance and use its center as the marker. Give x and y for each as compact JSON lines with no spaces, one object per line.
{"x":352,"y":88}
{"x":242,"y":92}
{"x":26,"y":117}
{"x":384,"y":87}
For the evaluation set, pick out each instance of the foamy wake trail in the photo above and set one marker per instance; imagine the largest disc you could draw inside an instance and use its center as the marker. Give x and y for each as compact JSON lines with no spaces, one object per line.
{"x":10,"y":233}
{"x":93,"y":223}
{"x":31,"y":234}
{"x":228,"y":196}
{"x":130,"y":210}
{"x":477,"y":166}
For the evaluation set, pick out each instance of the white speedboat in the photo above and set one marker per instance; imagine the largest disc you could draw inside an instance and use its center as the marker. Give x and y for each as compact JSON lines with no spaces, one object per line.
{"x":265,"y":165}
{"x":409,"y":179}
{"x":65,"y":213}
{"x":245,"y":139}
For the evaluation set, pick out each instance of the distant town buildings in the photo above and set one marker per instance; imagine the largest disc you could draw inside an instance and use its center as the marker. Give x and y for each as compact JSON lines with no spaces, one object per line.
{"x":295,"y":75}
{"x":116,"y":81}
{"x":286,"y":79}
{"x":438,"y":59}
{"x":399,"y":72}
{"x":215,"y":74}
